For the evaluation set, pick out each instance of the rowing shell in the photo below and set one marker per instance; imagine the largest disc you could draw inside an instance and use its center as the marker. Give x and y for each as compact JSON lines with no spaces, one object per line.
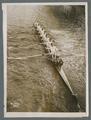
{"x":59,"y":68}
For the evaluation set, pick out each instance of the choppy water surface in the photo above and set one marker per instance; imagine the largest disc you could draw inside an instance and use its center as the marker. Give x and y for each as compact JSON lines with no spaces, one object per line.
{"x":34,"y":84}
{"x":71,"y":44}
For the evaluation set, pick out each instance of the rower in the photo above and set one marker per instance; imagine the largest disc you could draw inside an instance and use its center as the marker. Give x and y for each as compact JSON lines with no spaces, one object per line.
{"x":39,"y":28}
{"x":54,"y":50}
{"x":48,"y":45}
{"x":50,"y":54}
{"x":44,"y":36}
{"x":55,"y":55}
{"x":48,"y":39}
{"x":42,"y":32}
{"x":36,"y":24}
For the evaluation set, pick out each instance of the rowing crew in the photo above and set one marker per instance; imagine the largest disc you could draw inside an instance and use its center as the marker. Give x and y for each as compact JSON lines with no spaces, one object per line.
{"x":50,"y":48}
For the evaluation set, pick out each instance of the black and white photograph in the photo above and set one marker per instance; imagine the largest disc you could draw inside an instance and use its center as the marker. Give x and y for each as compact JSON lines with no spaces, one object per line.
{"x":45,"y":59}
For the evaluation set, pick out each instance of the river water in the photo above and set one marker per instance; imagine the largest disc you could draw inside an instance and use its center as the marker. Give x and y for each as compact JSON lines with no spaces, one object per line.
{"x":34,"y":84}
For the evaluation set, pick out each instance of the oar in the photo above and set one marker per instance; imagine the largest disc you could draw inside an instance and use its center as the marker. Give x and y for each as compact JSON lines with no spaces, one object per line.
{"x":26,"y":47}
{"x":27,"y":57}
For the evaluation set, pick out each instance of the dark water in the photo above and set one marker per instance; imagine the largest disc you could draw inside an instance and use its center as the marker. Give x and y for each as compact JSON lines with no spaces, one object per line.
{"x":34,"y":84}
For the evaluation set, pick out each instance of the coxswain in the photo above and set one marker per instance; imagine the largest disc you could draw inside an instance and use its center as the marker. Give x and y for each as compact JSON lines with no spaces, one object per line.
{"x":59,"y":61}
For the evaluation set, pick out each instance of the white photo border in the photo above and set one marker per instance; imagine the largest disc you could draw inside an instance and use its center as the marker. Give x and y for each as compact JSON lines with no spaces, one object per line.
{"x":43,"y":114}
